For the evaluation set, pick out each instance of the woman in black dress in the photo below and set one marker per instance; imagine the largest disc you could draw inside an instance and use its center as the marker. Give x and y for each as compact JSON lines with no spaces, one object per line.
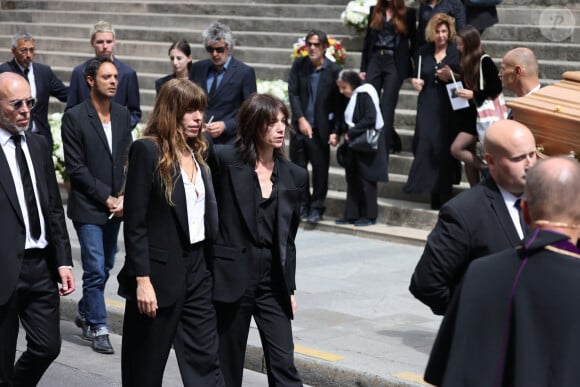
{"x":434,"y":170}
{"x":472,"y":57}
{"x":180,"y":58}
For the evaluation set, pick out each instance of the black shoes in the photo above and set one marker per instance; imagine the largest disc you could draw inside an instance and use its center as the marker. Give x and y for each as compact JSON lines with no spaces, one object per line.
{"x":344,"y":221}
{"x":86,"y":330}
{"x":303,"y":213}
{"x":102,"y":344}
{"x":314,"y":216}
{"x":365,"y":222}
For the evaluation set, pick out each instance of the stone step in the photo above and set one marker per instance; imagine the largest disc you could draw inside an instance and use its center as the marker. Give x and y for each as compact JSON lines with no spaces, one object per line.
{"x":532,"y":33}
{"x":289,"y":10}
{"x":244,"y":23}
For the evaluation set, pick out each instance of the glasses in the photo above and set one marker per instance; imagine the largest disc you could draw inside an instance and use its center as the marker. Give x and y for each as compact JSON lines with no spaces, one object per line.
{"x":18,"y":103}
{"x":24,"y":50}
{"x":315,"y":44}
{"x":219,"y":50}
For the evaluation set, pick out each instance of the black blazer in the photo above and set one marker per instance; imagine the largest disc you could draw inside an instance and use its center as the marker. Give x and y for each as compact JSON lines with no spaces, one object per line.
{"x":12,"y":229}
{"x":47,"y":84}
{"x":237,"y":239}
{"x":404,"y":45}
{"x":471,"y":225}
{"x":156,"y":233}
{"x":330,"y":104}
{"x":237,"y":84}
{"x":159,"y":82}
{"x":94,"y":171}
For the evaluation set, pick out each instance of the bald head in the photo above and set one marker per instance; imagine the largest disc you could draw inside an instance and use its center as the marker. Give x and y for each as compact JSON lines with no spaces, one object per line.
{"x":14,"y":89}
{"x":510,"y":149}
{"x":519,"y":71}
{"x":552,"y":189}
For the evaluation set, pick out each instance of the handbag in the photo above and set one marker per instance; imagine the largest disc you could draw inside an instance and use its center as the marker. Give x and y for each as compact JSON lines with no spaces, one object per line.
{"x":491,"y":110}
{"x":482,"y":3}
{"x":368,"y":141}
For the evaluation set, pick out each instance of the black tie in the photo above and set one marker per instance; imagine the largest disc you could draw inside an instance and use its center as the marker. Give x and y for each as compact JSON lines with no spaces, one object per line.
{"x":29,"y":197}
{"x":214,"y":83}
{"x":25,"y":72}
{"x":518,"y":206}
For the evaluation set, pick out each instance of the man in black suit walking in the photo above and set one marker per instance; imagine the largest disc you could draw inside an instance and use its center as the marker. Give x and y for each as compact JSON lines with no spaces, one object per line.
{"x":43,"y":82}
{"x":96,"y":137}
{"x":481,"y":221}
{"x":34,"y":245}
{"x":317,"y":114}
{"x":226,"y":81}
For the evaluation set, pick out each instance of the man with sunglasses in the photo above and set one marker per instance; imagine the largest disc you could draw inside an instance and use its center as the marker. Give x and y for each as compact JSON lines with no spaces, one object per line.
{"x":35,"y":250}
{"x":317,"y":111}
{"x":226,"y":81}
{"x":43,"y":82}
{"x":103,"y":42}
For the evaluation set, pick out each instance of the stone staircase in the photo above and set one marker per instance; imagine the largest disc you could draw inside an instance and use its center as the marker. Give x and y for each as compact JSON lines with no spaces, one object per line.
{"x":264,"y":31}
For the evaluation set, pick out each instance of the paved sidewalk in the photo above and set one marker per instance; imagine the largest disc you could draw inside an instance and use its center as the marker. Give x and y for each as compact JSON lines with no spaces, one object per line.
{"x":356,"y":325}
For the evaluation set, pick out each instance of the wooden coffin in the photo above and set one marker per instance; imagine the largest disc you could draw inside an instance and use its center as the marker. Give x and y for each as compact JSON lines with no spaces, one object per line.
{"x":553,"y":115}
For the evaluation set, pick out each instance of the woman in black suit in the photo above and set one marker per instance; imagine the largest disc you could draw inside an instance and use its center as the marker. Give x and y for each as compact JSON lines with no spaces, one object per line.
{"x":254,"y":257}
{"x":170,"y":218}
{"x":386,"y":58}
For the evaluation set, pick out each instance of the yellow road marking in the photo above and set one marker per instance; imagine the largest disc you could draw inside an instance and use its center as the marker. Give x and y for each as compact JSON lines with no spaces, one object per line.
{"x":115,"y":304}
{"x":311,"y":352}
{"x":410,"y":376}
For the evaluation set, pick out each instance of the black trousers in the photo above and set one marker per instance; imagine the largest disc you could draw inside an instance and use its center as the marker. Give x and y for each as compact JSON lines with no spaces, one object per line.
{"x":316,"y":152}
{"x":36,"y":303}
{"x":189,"y":324}
{"x":264,"y":303}
{"x":361,"y":196}
{"x":382,"y":74}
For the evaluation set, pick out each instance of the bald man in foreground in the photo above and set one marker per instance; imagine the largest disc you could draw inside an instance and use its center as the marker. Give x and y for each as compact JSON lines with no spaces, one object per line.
{"x":515,"y":320}
{"x":480,"y":221}
{"x":35,"y":250}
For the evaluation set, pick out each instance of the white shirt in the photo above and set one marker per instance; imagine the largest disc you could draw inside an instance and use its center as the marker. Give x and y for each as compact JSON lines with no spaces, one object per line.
{"x":195,"y":202}
{"x":510,"y":201}
{"x":109,"y":134}
{"x":9,"y":150}
{"x":32,"y":82}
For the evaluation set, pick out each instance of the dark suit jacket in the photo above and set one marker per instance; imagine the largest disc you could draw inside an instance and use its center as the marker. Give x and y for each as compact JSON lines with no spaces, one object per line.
{"x":12,"y":229}
{"x":156,"y":233}
{"x":237,"y":239}
{"x":237,"y":84}
{"x":47,"y":84}
{"x":94,"y":171}
{"x":159,"y":82}
{"x":473,"y":224}
{"x":329,"y":105}
{"x":535,"y":330}
{"x":127,"y":90}
{"x":404,"y":45}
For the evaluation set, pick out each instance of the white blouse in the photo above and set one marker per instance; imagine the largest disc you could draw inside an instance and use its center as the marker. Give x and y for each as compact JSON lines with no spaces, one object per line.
{"x":195,"y":201}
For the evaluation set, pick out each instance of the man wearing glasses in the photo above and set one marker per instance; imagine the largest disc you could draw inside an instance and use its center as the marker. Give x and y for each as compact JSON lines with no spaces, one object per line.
{"x":226,"y":81}
{"x":43,"y":82}
{"x":34,"y":245}
{"x":317,"y":111}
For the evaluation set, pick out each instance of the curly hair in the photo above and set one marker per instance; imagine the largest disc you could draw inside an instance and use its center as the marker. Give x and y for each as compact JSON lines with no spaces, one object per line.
{"x":176,"y":97}
{"x":435,"y":21}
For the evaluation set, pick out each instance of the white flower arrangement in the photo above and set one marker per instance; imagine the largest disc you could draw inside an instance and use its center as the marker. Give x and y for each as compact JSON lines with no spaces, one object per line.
{"x":55,"y":121}
{"x":356,"y":13}
{"x":277,"y":88}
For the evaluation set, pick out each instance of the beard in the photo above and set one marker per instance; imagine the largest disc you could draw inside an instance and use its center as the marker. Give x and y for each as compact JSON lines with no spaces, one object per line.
{"x":10,"y":126}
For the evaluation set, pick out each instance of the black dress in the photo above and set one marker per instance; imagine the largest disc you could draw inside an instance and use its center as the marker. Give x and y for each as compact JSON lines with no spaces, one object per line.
{"x":434,"y":170}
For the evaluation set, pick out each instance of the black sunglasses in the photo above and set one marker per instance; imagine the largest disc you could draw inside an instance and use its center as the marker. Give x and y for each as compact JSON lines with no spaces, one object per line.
{"x":219,"y":50}
{"x":17,"y":104}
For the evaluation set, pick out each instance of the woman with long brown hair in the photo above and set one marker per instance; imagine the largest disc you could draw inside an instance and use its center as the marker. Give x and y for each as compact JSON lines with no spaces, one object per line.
{"x":472,"y":59}
{"x":386,"y":59}
{"x":170,"y":221}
